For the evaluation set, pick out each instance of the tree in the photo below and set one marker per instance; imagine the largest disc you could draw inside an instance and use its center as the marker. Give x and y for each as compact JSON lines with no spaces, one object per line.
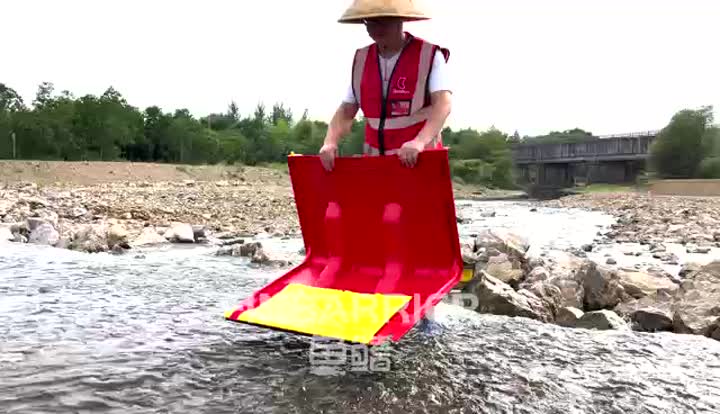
{"x":678,"y":149}
{"x":233,"y":111}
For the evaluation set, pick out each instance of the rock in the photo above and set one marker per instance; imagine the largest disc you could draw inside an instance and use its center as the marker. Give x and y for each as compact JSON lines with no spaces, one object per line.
{"x":698,"y":250}
{"x":77,"y":212}
{"x":501,"y":268}
{"x":658,"y":248}
{"x":34,"y":202}
{"x":461,"y":220}
{"x":535,"y":262}
{"x":639,"y":284}
{"x":6,"y":235}
{"x":260,"y":257}
{"x":601,"y":286}
{"x":568,"y":316}
{"x":249,"y":249}
{"x":602,"y":320}
{"x":611,"y":261}
{"x":180,"y":233}
{"x":241,"y":250}
{"x":45,"y":234}
{"x":206,"y":216}
{"x":488,"y":214}
{"x":506,"y":242}
{"x":649,"y":314}
{"x":564,"y":268}
{"x":19,"y":238}
{"x":127,"y":216}
{"x":91,"y":238}
{"x":149,"y":237}
{"x":64,"y":243}
{"x":538,"y":274}
{"x":199,"y":232}
{"x":117,"y":235}
{"x":716,"y":236}
{"x":498,"y":298}
{"x":666,"y":257}
{"x":587,"y":248}
{"x":689,"y":268}
{"x":34,"y":222}
{"x":697,"y":306}
{"x":117,"y":250}
{"x":550,"y":295}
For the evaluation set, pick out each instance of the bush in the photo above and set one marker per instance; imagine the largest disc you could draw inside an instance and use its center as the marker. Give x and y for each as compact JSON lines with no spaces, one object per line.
{"x":710,"y":168}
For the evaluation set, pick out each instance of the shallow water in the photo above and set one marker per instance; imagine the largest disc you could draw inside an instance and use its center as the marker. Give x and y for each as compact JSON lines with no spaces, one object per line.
{"x":145,"y":333}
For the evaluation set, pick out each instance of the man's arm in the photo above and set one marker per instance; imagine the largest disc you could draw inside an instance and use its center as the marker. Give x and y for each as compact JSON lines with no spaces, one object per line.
{"x":439,"y":111}
{"x":341,"y":123}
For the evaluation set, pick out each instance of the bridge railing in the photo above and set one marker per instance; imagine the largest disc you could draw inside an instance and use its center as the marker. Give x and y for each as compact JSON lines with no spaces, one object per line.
{"x":652,"y":133}
{"x":588,"y":150}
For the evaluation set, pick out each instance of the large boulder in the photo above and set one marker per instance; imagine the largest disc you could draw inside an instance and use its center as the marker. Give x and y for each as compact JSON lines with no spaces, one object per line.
{"x":639,"y":284}
{"x":602,"y":320}
{"x":550,"y":295}
{"x":149,"y":237}
{"x":601,"y":286}
{"x":568,"y":316}
{"x":697,"y":305}
{"x":117,"y":235}
{"x":497,"y":297}
{"x":504,"y":241}
{"x":650,"y":313}
{"x":91,"y":238}
{"x":564,"y":269}
{"x":500,"y":267}
{"x":45,"y":234}
{"x":180,"y":233}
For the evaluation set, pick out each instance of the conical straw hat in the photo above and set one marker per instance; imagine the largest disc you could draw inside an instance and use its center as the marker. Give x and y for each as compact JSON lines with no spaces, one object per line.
{"x":408,"y":10}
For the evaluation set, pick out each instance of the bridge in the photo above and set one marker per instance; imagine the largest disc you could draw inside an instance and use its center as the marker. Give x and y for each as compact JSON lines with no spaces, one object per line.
{"x":604,"y":159}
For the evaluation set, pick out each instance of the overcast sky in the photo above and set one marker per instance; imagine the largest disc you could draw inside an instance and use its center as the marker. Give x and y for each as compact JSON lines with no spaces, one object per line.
{"x":608,"y":66}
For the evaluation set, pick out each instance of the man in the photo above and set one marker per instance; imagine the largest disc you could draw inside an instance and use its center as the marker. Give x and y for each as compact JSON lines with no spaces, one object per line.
{"x":399,"y":82}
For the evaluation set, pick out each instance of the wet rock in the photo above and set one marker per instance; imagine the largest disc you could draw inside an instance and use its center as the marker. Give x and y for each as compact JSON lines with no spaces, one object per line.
{"x":587,"y":248}
{"x":91,"y":238}
{"x":242,"y":250}
{"x":180,"y":233}
{"x":639,"y":284}
{"x":651,"y":313}
{"x":611,"y":261}
{"x":658,"y":248}
{"x":34,"y":222}
{"x":249,"y":249}
{"x":461,"y":220}
{"x":19,"y":238}
{"x":716,"y":236}
{"x":117,"y":235}
{"x":230,"y":242}
{"x":199,"y":232}
{"x":117,"y":250}
{"x":497,"y":297}
{"x":260,"y":257}
{"x":488,"y":214}
{"x":666,"y":257}
{"x":697,"y":306}
{"x":149,"y":237}
{"x":601,"y":286}
{"x":602,"y":320}
{"x":44,"y":234}
{"x":568,"y":316}
{"x":698,"y":250}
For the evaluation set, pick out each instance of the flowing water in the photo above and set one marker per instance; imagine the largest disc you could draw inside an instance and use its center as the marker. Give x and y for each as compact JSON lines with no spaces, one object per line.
{"x":144,"y":333}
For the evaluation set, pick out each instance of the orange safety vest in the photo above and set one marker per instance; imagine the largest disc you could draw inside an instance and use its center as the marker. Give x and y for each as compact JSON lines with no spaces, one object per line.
{"x":398,"y":117}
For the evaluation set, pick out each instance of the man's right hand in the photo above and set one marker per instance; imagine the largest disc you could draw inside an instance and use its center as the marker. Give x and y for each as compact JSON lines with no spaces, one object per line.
{"x":328,"y":152}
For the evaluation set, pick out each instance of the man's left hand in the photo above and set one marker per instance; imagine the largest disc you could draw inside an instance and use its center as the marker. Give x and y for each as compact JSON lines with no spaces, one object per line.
{"x":409,"y":151}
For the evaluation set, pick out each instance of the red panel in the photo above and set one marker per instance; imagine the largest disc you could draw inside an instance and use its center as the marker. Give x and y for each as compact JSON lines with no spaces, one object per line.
{"x":374,"y":226}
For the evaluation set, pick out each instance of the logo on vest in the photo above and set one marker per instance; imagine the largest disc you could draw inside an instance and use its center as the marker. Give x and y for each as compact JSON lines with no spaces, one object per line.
{"x":400,"y":86}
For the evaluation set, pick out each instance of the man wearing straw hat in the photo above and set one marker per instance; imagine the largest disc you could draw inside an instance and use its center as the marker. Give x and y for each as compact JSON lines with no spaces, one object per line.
{"x":399,"y":82}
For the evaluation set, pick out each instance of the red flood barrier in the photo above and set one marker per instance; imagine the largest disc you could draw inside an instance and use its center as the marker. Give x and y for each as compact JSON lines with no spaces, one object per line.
{"x":376,"y":234}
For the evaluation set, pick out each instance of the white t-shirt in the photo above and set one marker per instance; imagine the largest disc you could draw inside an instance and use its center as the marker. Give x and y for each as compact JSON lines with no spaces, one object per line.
{"x":439,"y":77}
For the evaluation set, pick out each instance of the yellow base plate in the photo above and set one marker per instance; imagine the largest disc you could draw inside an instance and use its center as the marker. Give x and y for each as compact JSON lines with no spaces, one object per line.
{"x":331,"y":313}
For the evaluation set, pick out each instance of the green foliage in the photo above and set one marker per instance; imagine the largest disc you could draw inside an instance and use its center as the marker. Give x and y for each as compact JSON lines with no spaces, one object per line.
{"x":680,"y":146}
{"x":710,"y":167}
{"x":106,"y":127}
{"x":558,"y":137}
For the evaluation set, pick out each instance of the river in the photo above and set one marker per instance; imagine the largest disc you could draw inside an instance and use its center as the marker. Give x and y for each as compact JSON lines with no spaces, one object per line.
{"x":144,"y":333}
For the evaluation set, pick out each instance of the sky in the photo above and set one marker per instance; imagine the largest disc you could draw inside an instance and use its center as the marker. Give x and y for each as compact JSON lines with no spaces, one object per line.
{"x":607,"y":66}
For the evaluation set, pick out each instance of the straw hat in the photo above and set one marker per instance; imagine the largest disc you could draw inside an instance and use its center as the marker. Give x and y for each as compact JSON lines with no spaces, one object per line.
{"x":408,"y":10}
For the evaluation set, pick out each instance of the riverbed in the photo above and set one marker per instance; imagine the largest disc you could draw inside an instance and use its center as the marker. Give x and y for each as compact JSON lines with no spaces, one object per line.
{"x":144,"y":332}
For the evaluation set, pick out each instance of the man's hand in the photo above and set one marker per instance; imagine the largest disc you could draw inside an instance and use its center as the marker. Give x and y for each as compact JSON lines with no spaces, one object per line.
{"x":328,"y":152}
{"x":409,"y":152}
